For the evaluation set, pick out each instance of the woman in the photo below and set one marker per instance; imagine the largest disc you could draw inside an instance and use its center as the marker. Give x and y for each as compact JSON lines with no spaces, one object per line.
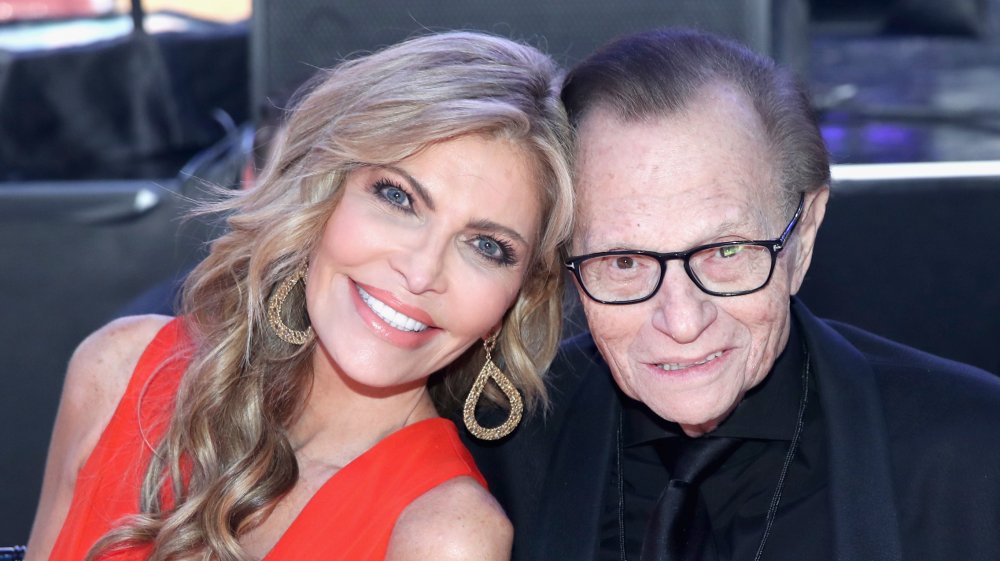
{"x":406,"y":223}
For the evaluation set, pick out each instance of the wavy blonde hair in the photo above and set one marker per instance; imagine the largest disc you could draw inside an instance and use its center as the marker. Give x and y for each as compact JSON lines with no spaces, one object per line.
{"x":225,"y":454}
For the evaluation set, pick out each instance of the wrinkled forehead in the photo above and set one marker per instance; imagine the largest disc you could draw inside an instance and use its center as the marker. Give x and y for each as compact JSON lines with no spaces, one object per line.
{"x":716,"y":148}
{"x":698,"y":174}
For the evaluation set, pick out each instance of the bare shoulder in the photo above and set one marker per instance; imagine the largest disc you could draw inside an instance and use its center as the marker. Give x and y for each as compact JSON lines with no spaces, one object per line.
{"x":457,"y":520}
{"x":96,"y":379}
{"x":102,"y":365}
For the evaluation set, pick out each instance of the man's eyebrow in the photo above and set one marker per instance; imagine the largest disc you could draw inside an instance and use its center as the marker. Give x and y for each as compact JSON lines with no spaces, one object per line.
{"x":742,"y":224}
{"x":489,"y":225}
{"x":417,"y":187}
{"x":730,"y":226}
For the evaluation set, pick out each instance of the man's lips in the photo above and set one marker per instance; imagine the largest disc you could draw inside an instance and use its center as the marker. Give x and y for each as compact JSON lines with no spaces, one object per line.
{"x":684,"y":364}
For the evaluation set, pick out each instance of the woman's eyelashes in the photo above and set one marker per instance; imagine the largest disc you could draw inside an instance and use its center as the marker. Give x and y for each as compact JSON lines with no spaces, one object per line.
{"x":394,"y":194}
{"x":495,"y":249}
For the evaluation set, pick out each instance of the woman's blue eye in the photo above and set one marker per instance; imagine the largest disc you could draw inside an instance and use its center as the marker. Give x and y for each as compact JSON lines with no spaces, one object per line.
{"x":489,"y":247}
{"x":494,"y":249}
{"x":394,"y":194}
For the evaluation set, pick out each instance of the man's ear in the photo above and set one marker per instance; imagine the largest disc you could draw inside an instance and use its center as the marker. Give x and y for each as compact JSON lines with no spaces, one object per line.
{"x":812,"y":217}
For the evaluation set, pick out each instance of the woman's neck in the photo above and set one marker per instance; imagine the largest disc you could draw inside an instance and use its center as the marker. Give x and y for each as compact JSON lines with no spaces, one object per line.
{"x":340,"y":419}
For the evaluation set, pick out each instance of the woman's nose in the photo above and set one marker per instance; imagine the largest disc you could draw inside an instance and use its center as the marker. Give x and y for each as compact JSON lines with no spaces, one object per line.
{"x":422,"y":263}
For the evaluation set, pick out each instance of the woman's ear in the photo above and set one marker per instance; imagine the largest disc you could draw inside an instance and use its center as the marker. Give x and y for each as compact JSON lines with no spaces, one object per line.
{"x":494,"y":331}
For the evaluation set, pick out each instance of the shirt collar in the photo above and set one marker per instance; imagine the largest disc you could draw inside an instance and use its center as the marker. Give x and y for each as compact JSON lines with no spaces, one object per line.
{"x":767,"y":412}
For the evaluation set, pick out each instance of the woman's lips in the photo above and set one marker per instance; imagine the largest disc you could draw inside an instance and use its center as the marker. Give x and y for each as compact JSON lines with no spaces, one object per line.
{"x":391,"y":316}
{"x":400,"y":329}
{"x":387,"y":298}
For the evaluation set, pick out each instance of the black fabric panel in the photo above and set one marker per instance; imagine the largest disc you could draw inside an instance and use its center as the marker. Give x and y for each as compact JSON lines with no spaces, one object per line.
{"x":914,"y":261}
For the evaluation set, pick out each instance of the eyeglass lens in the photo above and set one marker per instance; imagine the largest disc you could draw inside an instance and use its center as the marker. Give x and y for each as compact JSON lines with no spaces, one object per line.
{"x":725,"y":269}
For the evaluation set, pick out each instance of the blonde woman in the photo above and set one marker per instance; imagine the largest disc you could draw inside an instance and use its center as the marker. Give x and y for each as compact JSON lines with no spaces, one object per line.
{"x":397,"y":258}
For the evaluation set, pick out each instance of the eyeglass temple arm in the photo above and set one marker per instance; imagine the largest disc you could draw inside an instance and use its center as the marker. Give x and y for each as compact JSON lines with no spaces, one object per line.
{"x":794,"y":222}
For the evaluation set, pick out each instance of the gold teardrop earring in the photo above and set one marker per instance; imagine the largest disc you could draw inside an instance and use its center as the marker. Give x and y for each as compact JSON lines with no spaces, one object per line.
{"x":491,"y":370}
{"x":277,"y":301}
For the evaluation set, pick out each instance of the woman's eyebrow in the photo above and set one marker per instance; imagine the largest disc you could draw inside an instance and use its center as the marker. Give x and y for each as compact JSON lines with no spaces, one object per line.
{"x":489,"y":225}
{"x":417,"y":187}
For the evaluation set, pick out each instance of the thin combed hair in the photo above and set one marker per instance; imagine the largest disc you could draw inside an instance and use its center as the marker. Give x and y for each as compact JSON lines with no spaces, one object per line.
{"x":658,"y":73}
{"x":226,"y":456}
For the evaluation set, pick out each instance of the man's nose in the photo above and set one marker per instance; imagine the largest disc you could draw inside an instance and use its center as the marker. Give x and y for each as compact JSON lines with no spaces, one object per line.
{"x":682,"y":310}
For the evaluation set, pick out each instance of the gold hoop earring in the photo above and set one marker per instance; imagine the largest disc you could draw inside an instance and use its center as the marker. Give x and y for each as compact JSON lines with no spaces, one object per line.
{"x":277,"y":301}
{"x":490,"y":370}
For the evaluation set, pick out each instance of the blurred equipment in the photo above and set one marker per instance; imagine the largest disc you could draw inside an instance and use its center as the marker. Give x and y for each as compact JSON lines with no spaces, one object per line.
{"x":18,"y":10}
{"x":127,"y":104}
{"x":291,"y":38}
{"x":905,"y":17}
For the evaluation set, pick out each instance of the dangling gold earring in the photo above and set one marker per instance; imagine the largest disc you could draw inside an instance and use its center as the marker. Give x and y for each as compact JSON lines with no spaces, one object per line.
{"x":277,"y":301}
{"x":490,"y":370}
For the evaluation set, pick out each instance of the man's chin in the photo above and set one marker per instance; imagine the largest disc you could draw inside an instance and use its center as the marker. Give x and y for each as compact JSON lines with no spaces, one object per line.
{"x":695,"y":422}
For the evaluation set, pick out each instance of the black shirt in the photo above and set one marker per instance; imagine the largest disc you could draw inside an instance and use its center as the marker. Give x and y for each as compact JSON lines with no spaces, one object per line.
{"x":738,"y":494}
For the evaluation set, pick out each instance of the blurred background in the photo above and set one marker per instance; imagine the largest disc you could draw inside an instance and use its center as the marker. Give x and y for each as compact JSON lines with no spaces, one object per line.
{"x":115,"y":115}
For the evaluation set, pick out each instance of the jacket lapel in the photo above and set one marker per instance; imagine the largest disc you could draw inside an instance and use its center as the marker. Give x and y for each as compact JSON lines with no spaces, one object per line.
{"x":865,"y":522}
{"x":576,"y":480}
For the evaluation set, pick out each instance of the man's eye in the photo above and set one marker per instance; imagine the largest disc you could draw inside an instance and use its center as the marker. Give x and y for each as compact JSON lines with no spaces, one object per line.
{"x":624,"y":262}
{"x":730,"y":250}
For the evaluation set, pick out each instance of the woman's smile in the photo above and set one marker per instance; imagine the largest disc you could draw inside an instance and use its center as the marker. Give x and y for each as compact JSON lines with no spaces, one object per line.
{"x":390,"y":315}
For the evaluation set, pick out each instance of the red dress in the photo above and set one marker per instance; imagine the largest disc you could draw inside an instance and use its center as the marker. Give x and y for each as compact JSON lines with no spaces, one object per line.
{"x":350,"y":517}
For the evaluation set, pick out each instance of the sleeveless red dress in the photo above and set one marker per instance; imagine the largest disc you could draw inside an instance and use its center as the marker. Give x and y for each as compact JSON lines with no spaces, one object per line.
{"x":350,"y":517}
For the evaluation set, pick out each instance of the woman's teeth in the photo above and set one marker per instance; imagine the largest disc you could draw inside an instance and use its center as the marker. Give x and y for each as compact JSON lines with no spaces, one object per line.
{"x":677,"y":366}
{"x":400,"y":321}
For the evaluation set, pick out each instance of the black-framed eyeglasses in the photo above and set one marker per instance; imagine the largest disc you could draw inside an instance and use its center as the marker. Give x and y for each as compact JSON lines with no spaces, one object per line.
{"x":630,"y":276}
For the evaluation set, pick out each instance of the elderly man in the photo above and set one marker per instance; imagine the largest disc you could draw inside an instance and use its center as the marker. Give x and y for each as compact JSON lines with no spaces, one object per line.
{"x":708,"y":414}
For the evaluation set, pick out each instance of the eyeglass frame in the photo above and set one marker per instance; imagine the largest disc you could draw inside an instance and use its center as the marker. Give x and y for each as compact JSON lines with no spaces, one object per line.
{"x":774,"y":247}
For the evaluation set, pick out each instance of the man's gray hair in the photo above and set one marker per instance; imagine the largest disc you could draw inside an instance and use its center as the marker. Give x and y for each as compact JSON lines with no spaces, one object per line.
{"x":657,"y":73}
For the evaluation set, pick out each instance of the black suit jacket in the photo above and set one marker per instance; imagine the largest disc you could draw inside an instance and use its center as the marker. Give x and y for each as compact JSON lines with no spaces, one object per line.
{"x":914,"y":453}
